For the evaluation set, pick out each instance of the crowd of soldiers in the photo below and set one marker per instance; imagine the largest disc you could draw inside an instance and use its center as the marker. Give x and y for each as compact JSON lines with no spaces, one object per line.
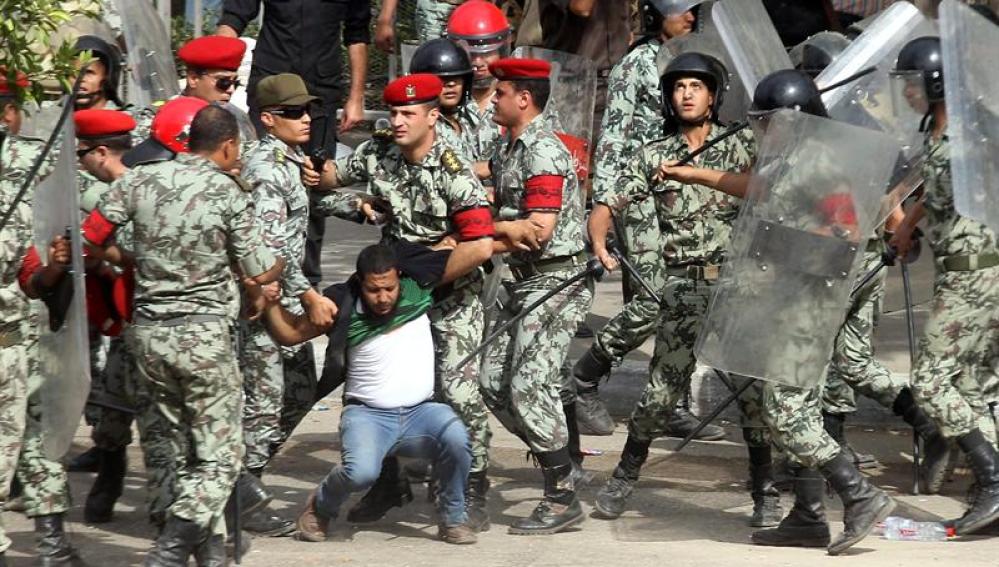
{"x":193,"y":234}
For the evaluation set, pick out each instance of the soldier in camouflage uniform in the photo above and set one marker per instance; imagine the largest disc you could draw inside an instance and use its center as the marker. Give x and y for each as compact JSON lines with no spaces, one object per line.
{"x":185,"y":310}
{"x":793,"y":414}
{"x":447,"y":60}
{"x":18,"y":334}
{"x":432,"y":195}
{"x":696,"y":223}
{"x":633,"y":119}
{"x":962,"y":332}
{"x":535,"y":178}
{"x":279,"y":383}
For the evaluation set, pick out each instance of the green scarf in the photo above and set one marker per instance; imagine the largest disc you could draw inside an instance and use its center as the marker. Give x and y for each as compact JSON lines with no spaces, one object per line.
{"x":414,"y":301}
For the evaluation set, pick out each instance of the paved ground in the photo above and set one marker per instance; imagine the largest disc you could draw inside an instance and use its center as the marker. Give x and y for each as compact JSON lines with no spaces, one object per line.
{"x":690,"y":508}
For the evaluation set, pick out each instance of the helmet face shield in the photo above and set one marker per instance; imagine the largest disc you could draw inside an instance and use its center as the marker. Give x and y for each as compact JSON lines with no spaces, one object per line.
{"x":481,"y":53}
{"x":908,"y":90}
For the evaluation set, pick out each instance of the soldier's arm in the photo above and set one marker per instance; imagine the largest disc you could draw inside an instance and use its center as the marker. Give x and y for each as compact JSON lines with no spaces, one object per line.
{"x":901,"y":241}
{"x":611,"y":156}
{"x":347,"y":205}
{"x":236,"y":14}
{"x":732,"y":183}
{"x":287,"y":329}
{"x":272,"y":213}
{"x":246,"y":245}
{"x":114,"y":209}
{"x":470,"y":215}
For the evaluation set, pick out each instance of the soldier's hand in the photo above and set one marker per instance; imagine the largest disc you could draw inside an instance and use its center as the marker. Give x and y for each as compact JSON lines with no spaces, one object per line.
{"x":385,"y":36}
{"x":375,"y":210}
{"x":59,"y":251}
{"x":606,"y":258}
{"x":901,"y":241}
{"x":449,"y":242}
{"x":670,"y":171}
{"x":310,"y":177}
{"x":353,"y":113}
{"x":525,"y":234}
{"x":321,"y":311}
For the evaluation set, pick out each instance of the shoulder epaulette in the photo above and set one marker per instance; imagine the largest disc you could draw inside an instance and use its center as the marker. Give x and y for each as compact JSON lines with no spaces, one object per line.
{"x":382,"y":135}
{"x":451,"y":161}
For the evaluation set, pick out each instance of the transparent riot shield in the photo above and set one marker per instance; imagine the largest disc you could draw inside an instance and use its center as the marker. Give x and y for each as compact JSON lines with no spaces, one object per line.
{"x":812,"y":203}
{"x":247,"y":132}
{"x":570,"y":104}
{"x":751,"y":39}
{"x":709,"y":42}
{"x":971,"y":85}
{"x":63,"y":349}
{"x":151,"y":72}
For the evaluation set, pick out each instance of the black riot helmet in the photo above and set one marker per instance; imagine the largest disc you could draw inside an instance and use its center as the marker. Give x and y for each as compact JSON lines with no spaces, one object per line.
{"x":921,"y":63}
{"x":110,"y":56}
{"x":653,"y":12}
{"x":816,"y":53}
{"x":446,"y":59}
{"x":788,"y":88}
{"x":698,"y":65}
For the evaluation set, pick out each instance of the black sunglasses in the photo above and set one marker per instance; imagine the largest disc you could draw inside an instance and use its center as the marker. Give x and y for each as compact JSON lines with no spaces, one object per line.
{"x":290,"y":112}
{"x":85,"y":151}
{"x":224,"y":83}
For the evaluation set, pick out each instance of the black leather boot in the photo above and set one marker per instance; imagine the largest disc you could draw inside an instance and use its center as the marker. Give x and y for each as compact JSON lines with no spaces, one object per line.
{"x":591,"y":413}
{"x":475,"y":501}
{"x":107,"y":486}
{"x":985,"y":466}
{"x":805,"y":525}
{"x":389,"y":491}
{"x":682,"y":422}
{"x":834,"y":424}
{"x":863,"y":504}
{"x":614,"y":494}
{"x":936,"y":448}
{"x":252,"y":493}
{"x":176,"y":543}
{"x":766,"y":498}
{"x":52,"y":546}
{"x":211,"y":552}
{"x":560,"y":508}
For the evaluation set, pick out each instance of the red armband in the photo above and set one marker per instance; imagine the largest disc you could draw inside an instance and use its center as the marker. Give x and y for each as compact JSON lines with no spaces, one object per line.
{"x":30,"y":263}
{"x":97,"y":228}
{"x":474,"y":223}
{"x":544,"y":192}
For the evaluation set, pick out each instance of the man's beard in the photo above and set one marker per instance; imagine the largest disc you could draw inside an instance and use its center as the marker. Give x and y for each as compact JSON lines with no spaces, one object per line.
{"x":376,"y":319}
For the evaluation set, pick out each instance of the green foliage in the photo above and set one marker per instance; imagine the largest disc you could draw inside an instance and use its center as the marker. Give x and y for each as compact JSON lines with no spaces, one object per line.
{"x":182,"y":31}
{"x":26,"y":31}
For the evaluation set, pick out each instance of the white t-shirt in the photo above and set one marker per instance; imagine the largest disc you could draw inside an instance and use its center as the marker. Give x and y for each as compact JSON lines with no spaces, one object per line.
{"x":394,"y":369}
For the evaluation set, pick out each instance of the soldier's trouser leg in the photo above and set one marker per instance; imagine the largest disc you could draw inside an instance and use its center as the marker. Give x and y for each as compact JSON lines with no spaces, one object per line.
{"x":636,"y":321}
{"x":13,"y":409}
{"x":46,"y":486}
{"x":159,"y":454}
{"x":431,"y":19}
{"x":113,"y":429}
{"x":960,"y":334}
{"x":193,"y":377}
{"x":299,"y":394}
{"x":458,"y":323}
{"x":523,"y":380}
{"x":263,"y":386}
{"x":673,"y":362}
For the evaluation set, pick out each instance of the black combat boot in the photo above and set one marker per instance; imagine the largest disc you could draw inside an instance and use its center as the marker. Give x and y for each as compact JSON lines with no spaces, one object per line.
{"x":475,"y":501}
{"x":389,"y":491}
{"x":560,"y":508}
{"x":107,"y":486}
{"x":682,"y":422}
{"x":834,"y":423}
{"x":251,"y":492}
{"x":3,"y":559}
{"x":985,"y":466}
{"x":211,"y":552}
{"x":805,"y":525}
{"x":52,"y":546}
{"x":579,"y":475}
{"x":936,"y":448}
{"x":591,"y":413}
{"x":256,"y":517}
{"x":766,"y":498}
{"x":612,"y":496}
{"x":176,"y":543}
{"x":863,"y":504}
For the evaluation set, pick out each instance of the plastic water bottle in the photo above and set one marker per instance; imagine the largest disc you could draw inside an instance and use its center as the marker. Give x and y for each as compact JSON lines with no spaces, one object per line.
{"x":904,"y":529}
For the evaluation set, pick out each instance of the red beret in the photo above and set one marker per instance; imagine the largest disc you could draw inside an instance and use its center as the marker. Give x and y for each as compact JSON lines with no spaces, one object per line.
{"x":513,"y":68}
{"x":213,"y":52}
{"x":413,"y":89}
{"x":21,"y":81}
{"x":93,"y":123}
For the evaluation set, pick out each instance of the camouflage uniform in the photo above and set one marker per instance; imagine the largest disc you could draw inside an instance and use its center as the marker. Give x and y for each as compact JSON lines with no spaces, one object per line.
{"x":633,"y":118}
{"x":479,"y":131}
{"x":423,"y":199}
{"x":524,"y":374}
{"x":431,"y":18}
{"x":16,"y":157}
{"x":696,"y":224}
{"x":191,"y":224}
{"x":455,"y":139}
{"x":279,"y":382}
{"x":961,"y":336}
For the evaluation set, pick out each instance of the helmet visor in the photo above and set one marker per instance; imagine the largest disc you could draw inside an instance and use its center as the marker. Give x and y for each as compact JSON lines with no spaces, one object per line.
{"x":909,"y":91}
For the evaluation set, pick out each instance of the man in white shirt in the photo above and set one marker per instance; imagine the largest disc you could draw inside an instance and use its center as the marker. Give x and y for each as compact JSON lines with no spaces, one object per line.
{"x":382,"y":345}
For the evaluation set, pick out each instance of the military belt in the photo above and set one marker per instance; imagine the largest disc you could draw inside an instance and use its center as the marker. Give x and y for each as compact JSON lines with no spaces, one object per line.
{"x":178,"y":321}
{"x":708,"y":272}
{"x":557,"y":264}
{"x":10,"y":335}
{"x":967,"y":263}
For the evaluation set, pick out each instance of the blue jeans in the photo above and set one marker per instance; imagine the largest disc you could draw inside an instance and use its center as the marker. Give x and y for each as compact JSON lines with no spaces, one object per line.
{"x":426,"y":431}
